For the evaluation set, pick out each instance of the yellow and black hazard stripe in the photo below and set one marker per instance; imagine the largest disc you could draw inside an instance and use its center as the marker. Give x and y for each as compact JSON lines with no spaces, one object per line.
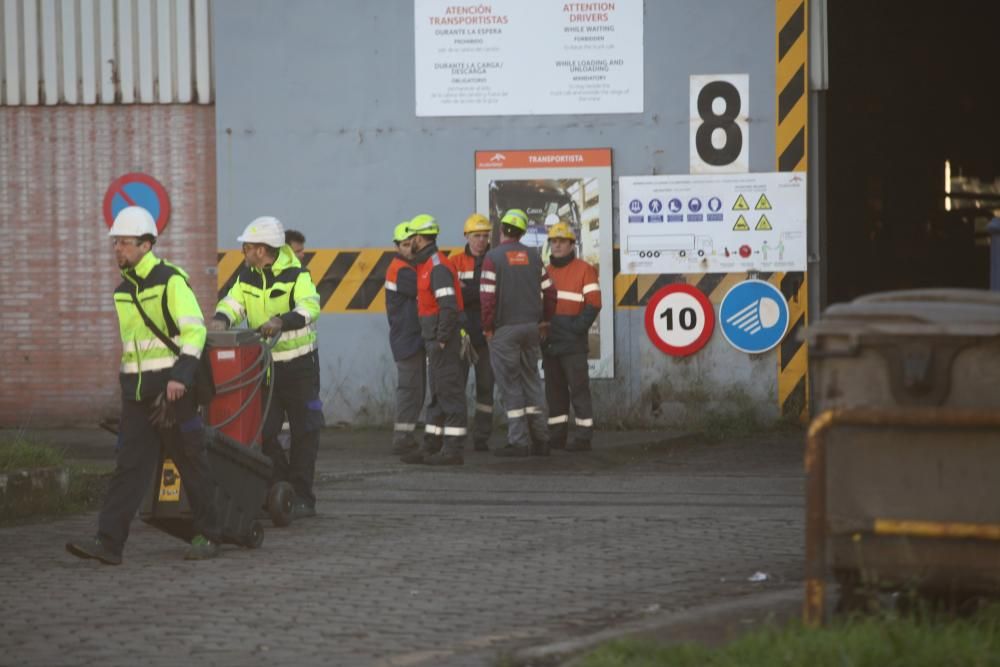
{"x":791,"y":84}
{"x":348,"y":281}
{"x":791,"y":148}
{"x":634,"y":291}
{"x":793,"y":361}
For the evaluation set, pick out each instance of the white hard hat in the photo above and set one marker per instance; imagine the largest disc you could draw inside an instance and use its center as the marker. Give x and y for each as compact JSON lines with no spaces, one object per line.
{"x":266,"y":230}
{"x":133,"y":221}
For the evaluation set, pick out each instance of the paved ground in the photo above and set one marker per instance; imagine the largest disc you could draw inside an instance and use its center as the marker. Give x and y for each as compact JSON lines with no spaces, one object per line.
{"x":407,"y":565}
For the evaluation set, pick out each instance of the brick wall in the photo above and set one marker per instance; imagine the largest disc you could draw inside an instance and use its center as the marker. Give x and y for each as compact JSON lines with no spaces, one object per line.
{"x":59,"y":346}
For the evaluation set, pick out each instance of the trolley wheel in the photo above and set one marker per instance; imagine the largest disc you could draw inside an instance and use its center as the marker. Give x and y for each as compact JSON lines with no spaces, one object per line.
{"x":279,"y":504}
{"x":255,"y":537}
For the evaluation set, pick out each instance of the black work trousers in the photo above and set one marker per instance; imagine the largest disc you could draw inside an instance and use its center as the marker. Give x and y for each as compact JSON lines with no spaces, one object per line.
{"x":294,"y":388}
{"x":482,"y":425}
{"x":447,"y":419}
{"x":411,"y":387}
{"x":138,"y":457}
{"x":567,"y":381}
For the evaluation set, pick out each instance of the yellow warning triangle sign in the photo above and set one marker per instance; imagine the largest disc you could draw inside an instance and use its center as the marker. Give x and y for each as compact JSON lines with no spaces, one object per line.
{"x":741,"y":204}
{"x":741,"y":225}
{"x":763,"y":204}
{"x":763,"y":225}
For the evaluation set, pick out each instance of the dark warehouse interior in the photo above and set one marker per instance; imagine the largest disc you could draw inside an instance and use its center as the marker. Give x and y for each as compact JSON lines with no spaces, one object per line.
{"x":912,"y":94}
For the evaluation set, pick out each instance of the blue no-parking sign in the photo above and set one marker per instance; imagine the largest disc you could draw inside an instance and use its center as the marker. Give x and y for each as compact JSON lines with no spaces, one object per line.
{"x":137,"y":189}
{"x":753,"y":316}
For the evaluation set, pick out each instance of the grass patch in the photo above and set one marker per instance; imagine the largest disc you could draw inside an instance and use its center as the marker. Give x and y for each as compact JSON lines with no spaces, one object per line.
{"x":740,"y":418}
{"x":84,"y":491}
{"x":20,"y":452}
{"x":921,"y":640}
{"x":87,"y":486}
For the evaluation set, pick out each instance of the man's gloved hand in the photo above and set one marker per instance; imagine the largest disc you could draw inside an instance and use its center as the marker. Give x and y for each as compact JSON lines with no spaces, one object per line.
{"x":272,"y":327}
{"x":543,"y":330}
{"x":468,"y":352}
{"x":162,"y":415}
{"x":216,"y":325}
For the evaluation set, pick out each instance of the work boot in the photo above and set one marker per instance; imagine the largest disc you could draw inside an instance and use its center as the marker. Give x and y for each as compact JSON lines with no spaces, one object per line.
{"x":540,"y":448}
{"x":446,"y":457}
{"x":302,"y":510}
{"x":94,"y":547}
{"x":202,"y":548}
{"x":557,"y":444}
{"x":401,"y":448}
{"x":413,"y":457}
{"x":512,"y":450}
{"x":430,"y":446}
{"x":578,"y":446}
{"x":481,"y":446}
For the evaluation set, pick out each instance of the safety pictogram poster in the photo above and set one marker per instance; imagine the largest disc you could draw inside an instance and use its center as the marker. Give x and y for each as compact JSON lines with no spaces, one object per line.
{"x":712,"y":223}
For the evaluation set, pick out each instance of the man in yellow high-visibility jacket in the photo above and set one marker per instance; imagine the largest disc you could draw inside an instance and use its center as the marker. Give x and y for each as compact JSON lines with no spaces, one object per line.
{"x":154,"y":292}
{"x":276,"y":296}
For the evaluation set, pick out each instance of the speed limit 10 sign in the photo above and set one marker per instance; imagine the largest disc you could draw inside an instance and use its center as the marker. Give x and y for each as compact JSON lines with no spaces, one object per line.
{"x":679,"y":319}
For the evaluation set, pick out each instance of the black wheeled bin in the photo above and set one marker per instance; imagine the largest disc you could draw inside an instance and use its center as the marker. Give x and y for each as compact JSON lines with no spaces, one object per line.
{"x":243,"y":475}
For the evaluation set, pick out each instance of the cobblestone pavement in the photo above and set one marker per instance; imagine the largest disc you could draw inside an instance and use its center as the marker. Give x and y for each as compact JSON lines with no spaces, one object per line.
{"x":407,"y":565}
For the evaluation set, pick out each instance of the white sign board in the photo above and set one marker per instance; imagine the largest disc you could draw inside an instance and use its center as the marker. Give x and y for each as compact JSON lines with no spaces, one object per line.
{"x":718,"y":223}
{"x":720,"y":127}
{"x":514,"y":57}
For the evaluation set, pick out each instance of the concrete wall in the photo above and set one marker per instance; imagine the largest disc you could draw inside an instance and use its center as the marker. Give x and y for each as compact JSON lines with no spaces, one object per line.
{"x":61,"y":345}
{"x":316,"y":124}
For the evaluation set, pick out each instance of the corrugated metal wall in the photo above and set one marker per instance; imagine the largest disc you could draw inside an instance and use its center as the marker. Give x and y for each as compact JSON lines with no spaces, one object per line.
{"x":105,"y":52}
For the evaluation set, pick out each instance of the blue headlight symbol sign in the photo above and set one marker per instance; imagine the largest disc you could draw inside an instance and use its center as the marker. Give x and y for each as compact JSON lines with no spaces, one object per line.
{"x":753,"y":316}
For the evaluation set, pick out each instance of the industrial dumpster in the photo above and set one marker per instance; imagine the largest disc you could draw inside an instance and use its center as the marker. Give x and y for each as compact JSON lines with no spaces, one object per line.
{"x":903,"y":459}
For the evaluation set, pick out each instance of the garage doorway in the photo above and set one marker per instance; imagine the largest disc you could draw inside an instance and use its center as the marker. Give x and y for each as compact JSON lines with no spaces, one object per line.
{"x":912,"y":145}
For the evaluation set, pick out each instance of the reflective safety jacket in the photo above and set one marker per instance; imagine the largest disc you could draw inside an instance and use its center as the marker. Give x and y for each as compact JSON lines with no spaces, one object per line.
{"x":167,"y":299}
{"x":439,"y":295}
{"x":515,"y":288}
{"x":283,"y":289}
{"x":470,"y":270}
{"x":578,"y":301}
{"x":401,"y":309}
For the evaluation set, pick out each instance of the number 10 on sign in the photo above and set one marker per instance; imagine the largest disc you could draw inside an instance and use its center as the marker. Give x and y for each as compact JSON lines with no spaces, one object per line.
{"x":679,"y":319}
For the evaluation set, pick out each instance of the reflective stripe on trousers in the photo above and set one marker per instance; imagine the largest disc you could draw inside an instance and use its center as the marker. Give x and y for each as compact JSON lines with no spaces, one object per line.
{"x":514,"y":354}
{"x":567,"y":382}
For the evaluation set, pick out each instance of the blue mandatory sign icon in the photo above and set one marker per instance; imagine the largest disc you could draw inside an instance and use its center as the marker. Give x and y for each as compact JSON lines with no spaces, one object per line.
{"x":674,"y":205}
{"x":635,"y":206}
{"x":714,"y":204}
{"x":655,"y":206}
{"x":694,"y":204}
{"x":753,"y":316}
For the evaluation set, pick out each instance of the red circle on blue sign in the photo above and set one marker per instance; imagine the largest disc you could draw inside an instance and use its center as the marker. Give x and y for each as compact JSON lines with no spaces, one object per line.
{"x":137,"y":189}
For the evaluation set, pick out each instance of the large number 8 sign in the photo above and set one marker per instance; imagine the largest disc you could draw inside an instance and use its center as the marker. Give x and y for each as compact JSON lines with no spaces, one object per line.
{"x":720,"y":131}
{"x":726,"y":121}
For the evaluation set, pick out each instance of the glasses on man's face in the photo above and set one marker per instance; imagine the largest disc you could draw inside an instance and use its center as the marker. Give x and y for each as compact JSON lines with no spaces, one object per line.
{"x":124,"y":242}
{"x":247,"y":247}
